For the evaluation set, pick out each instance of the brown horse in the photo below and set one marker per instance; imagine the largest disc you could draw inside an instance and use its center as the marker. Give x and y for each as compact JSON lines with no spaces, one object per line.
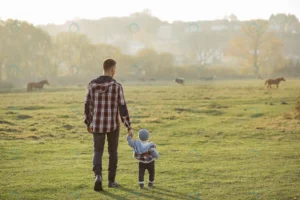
{"x":274,"y":82}
{"x":179,"y":81}
{"x":38,"y":85}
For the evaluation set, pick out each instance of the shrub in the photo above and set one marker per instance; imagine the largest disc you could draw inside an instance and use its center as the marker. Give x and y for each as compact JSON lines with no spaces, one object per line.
{"x":6,"y":84}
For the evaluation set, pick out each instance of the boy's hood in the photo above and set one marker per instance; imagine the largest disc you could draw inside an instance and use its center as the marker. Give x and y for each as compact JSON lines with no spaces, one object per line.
{"x":141,"y":147}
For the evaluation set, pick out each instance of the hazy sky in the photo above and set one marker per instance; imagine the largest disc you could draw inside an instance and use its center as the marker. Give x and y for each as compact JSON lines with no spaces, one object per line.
{"x":58,"y":11}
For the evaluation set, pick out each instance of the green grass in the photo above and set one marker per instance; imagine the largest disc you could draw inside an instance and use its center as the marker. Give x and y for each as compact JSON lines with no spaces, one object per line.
{"x":224,"y":140}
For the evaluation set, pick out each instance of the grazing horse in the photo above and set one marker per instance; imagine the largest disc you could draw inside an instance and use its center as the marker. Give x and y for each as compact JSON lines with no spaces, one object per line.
{"x":210,"y":78}
{"x":179,"y":81}
{"x":274,"y":82}
{"x":38,"y":85}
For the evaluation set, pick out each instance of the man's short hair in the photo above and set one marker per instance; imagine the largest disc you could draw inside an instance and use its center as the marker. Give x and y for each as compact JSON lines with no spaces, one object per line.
{"x":108,"y":64}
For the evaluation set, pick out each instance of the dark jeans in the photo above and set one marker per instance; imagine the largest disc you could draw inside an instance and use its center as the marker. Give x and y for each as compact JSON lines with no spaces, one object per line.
{"x":99,"y":141}
{"x":151,"y":170}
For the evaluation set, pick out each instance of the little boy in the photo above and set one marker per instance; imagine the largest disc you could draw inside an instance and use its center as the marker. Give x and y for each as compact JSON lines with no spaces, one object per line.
{"x":145,"y":153}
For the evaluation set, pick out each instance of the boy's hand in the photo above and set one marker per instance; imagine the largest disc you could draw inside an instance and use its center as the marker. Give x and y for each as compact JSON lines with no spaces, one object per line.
{"x":130,"y":133}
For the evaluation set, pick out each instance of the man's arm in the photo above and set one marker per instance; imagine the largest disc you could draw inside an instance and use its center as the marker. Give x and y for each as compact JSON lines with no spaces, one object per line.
{"x":88,"y":108}
{"x":123,"y":109}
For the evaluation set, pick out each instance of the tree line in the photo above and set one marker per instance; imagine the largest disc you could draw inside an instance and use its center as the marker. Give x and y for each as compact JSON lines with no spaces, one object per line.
{"x":29,"y":53}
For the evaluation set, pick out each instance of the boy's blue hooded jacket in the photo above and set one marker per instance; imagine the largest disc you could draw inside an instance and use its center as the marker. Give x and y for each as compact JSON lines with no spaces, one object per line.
{"x":144,"y":152}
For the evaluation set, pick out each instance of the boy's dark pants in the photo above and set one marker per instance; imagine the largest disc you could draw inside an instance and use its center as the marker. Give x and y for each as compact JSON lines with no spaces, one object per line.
{"x":99,"y":141}
{"x":151,"y":170}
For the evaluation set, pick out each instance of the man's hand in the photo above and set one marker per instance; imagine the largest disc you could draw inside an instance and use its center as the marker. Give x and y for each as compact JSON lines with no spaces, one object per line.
{"x":130,"y":133}
{"x":89,"y":129}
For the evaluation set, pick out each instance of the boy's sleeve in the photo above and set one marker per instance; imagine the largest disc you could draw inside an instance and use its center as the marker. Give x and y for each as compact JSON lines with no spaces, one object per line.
{"x":130,"y":141}
{"x":153,"y":152}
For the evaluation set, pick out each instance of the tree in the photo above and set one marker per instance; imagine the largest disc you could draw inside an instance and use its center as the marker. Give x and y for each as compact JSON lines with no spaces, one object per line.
{"x":146,"y":60}
{"x":23,"y":49}
{"x":257,"y":47}
{"x":74,"y":51}
{"x":233,"y":17}
{"x":284,"y":23}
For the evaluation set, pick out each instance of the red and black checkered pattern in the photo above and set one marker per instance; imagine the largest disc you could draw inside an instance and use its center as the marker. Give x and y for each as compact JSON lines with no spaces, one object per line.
{"x":102,"y":106}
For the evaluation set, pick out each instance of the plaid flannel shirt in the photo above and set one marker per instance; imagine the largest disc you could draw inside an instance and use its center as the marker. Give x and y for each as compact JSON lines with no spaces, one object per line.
{"x":103,"y":103}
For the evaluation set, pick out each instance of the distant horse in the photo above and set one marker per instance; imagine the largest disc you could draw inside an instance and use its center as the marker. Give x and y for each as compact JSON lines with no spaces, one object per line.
{"x":179,"y":81}
{"x":273,"y":82}
{"x":259,"y":77}
{"x":38,"y":85}
{"x":210,"y":78}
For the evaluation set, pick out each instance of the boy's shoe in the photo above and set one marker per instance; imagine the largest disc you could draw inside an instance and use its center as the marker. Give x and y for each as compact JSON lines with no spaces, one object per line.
{"x":150,"y":185}
{"x":141,"y":186}
{"x":113,"y":184}
{"x":98,"y":183}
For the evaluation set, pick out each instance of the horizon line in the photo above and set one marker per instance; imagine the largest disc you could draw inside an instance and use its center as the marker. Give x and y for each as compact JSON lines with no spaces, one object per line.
{"x":202,"y":20}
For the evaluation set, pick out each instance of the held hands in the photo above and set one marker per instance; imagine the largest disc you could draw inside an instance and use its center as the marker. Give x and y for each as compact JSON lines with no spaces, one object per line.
{"x":88,"y":126}
{"x":130,"y":133}
{"x":89,"y":129}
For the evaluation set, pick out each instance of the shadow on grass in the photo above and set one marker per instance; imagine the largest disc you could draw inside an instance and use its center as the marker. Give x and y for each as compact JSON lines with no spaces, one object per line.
{"x":171,"y":194}
{"x":178,"y":194}
{"x":23,"y":117}
{"x":6,"y":122}
{"x":257,"y":115}
{"x":195,"y":110}
{"x":156,"y":193}
{"x":111,"y":195}
{"x":136,"y":195}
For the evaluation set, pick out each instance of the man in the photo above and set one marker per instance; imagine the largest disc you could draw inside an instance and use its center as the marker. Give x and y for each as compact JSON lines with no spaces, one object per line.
{"x":104,"y":101}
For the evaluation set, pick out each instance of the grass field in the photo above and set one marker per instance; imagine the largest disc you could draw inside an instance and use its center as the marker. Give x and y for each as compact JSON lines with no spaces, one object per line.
{"x":223,"y":140}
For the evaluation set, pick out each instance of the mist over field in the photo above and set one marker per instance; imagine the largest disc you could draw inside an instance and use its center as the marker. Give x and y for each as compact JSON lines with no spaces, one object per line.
{"x":216,"y":83}
{"x":147,"y":47}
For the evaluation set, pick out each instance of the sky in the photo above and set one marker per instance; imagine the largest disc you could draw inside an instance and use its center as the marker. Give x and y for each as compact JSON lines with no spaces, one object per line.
{"x":40,"y":12}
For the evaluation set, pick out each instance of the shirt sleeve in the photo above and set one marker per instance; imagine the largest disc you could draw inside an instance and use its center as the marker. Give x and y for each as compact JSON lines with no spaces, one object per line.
{"x":88,"y":106}
{"x":130,"y":141}
{"x":123,"y":109}
{"x":154,"y":153}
